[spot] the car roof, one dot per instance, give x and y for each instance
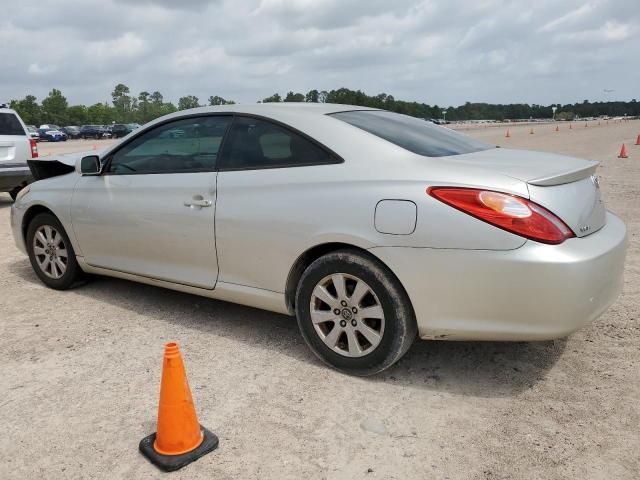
(277, 108)
(293, 113)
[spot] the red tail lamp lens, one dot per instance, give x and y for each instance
(508, 212)
(34, 148)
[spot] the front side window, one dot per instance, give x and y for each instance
(188, 145)
(254, 143)
(413, 134)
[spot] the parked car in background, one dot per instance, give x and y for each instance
(16, 147)
(119, 130)
(33, 132)
(52, 135)
(93, 131)
(374, 228)
(71, 131)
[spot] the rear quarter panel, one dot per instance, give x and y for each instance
(266, 219)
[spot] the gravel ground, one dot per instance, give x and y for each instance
(80, 376)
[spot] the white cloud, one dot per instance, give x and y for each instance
(37, 69)
(425, 50)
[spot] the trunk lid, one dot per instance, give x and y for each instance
(566, 186)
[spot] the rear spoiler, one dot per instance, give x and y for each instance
(566, 177)
(41, 169)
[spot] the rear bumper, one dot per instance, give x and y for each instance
(535, 292)
(13, 176)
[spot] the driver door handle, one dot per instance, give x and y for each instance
(198, 203)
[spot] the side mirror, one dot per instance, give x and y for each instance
(89, 165)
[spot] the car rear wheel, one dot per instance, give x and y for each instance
(51, 253)
(353, 313)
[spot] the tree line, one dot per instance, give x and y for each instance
(126, 107)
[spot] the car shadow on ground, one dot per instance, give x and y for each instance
(480, 369)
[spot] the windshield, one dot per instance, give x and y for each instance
(413, 134)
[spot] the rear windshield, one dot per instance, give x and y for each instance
(413, 134)
(10, 125)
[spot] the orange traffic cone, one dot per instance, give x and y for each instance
(623, 152)
(557, 128)
(179, 439)
(507, 135)
(94, 146)
(637, 140)
(531, 132)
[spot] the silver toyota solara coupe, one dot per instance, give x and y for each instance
(371, 227)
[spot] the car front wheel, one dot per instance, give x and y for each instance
(51, 253)
(353, 313)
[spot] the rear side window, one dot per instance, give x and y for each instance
(253, 143)
(413, 134)
(10, 125)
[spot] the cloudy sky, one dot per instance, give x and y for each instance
(441, 52)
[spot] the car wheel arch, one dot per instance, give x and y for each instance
(310, 255)
(30, 214)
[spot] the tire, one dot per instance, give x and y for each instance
(46, 222)
(393, 319)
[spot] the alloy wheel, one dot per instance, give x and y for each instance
(347, 315)
(50, 251)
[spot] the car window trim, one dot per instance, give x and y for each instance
(333, 157)
(108, 159)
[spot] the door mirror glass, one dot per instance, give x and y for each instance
(90, 165)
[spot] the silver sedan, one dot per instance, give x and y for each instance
(373, 228)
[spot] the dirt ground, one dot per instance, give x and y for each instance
(80, 376)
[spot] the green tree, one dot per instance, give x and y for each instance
(312, 96)
(275, 98)
(28, 109)
(294, 97)
(216, 100)
(54, 108)
(122, 102)
(190, 101)
(144, 104)
(77, 115)
(101, 114)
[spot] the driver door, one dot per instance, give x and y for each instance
(151, 212)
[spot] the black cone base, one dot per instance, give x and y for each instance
(169, 463)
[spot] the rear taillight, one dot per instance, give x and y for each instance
(34, 148)
(508, 212)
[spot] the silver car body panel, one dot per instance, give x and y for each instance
(464, 277)
(537, 292)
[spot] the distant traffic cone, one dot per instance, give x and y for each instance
(94, 146)
(531, 131)
(637, 140)
(179, 439)
(557, 128)
(586, 124)
(507, 135)
(623, 152)
(570, 127)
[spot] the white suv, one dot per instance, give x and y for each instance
(16, 147)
